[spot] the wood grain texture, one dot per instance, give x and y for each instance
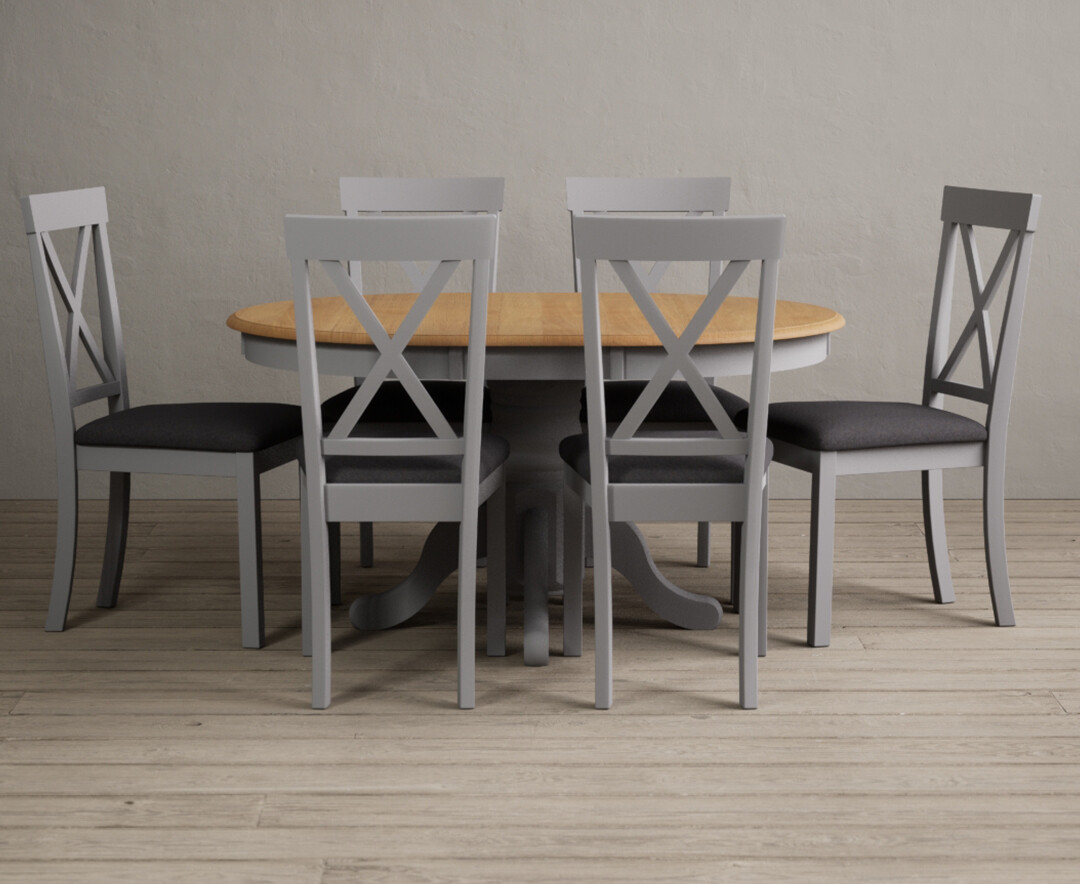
(144, 744)
(534, 319)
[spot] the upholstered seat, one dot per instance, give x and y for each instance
(846, 425)
(641, 469)
(677, 403)
(195, 426)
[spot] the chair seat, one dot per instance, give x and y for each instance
(677, 404)
(848, 425)
(434, 469)
(196, 426)
(392, 402)
(649, 469)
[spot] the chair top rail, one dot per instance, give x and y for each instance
(374, 238)
(990, 208)
(421, 195)
(705, 238)
(44, 212)
(648, 194)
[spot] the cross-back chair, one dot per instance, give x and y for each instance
(627, 471)
(238, 439)
(842, 438)
(375, 196)
(429, 470)
(688, 196)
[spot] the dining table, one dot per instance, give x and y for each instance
(534, 371)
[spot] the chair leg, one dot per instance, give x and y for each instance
(317, 587)
(305, 570)
(704, 556)
(67, 531)
(763, 577)
(249, 519)
(112, 565)
(602, 607)
(334, 539)
(573, 573)
(736, 554)
(496, 573)
(367, 546)
(466, 609)
(750, 596)
(937, 547)
(822, 530)
(997, 567)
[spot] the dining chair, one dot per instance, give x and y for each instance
(238, 439)
(377, 195)
(627, 471)
(359, 470)
(685, 196)
(842, 438)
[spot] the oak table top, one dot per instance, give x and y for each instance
(535, 319)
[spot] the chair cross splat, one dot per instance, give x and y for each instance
(677, 347)
(391, 360)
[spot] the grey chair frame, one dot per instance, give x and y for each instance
(620, 241)
(689, 196)
(361, 196)
(962, 210)
(331, 243)
(86, 211)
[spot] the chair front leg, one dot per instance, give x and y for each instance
(822, 539)
(763, 576)
(112, 565)
(937, 547)
(997, 566)
(67, 532)
(573, 573)
(704, 556)
(496, 573)
(249, 520)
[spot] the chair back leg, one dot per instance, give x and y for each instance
(67, 532)
(822, 539)
(997, 568)
(937, 547)
(112, 565)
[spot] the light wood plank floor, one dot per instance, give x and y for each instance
(144, 744)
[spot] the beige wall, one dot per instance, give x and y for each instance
(207, 121)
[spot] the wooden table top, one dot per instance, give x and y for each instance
(535, 319)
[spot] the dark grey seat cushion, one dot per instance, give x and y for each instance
(649, 469)
(677, 404)
(380, 470)
(393, 403)
(846, 425)
(196, 426)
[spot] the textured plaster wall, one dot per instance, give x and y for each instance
(208, 121)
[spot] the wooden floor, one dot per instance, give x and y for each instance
(144, 744)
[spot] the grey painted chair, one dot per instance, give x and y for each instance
(627, 472)
(357, 470)
(686, 196)
(376, 196)
(843, 438)
(238, 439)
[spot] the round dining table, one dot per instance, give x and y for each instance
(535, 370)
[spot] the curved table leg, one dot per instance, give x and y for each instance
(630, 557)
(438, 560)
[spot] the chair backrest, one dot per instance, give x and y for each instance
(737, 241)
(963, 210)
(372, 196)
(330, 243)
(67, 335)
(689, 196)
